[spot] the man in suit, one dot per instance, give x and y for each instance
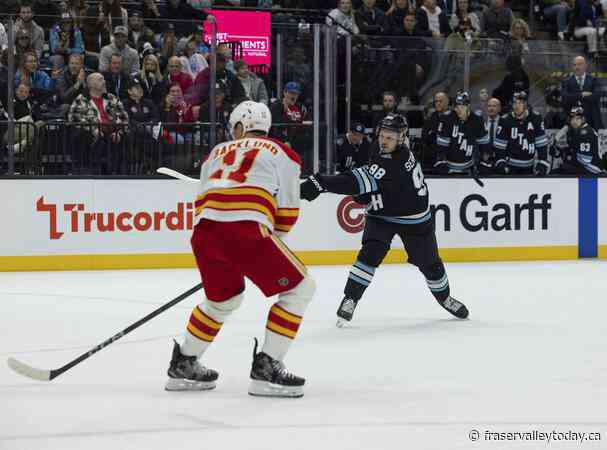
(584, 89)
(492, 122)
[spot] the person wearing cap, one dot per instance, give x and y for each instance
(254, 87)
(353, 148)
(167, 44)
(287, 112)
(26, 22)
(139, 33)
(64, 40)
(143, 115)
(130, 57)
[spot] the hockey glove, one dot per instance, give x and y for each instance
(311, 188)
(541, 168)
(501, 167)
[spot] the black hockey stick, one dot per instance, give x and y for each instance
(48, 375)
(478, 181)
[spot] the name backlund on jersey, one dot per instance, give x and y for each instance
(519, 141)
(460, 141)
(394, 187)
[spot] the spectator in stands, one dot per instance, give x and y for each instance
(183, 16)
(130, 57)
(352, 149)
(26, 114)
(343, 18)
(431, 18)
(581, 87)
(65, 40)
(516, 80)
(497, 20)
(72, 81)
(23, 44)
(234, 91)
(192, 61)
(370, 20)
(152, 80)
(586, 19)
(395, 17)
(3, 38)
(288, 111)
(138, 32)
(560, 10)
(35, 31)
(116, 81)
(519, 34)
(463, 11)
(176, 75)
(221, 113)
(102, 117)
(254, 87)
(167, 44)
(177, 111)
(151, 15)
(101, 20)
(298, 67)
(492, 123)
(29, 74)
(556, 116)
(140, 109)
(77, 9)
(226, 51)
(201, 46)
(461, 38)
(389, 105)
(47, 12)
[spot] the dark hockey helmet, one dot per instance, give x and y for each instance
(394, 122)
(553, 96)
(520, 95)
(462, 98)
(577, 110)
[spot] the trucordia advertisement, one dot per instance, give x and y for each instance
(87, 217)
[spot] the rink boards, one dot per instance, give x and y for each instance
(109, 224)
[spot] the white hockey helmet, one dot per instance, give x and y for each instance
(252, 115)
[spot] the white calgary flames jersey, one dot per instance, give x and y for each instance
(251, 179)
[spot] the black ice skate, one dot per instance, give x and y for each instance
(458, 309)
(270, 378)
(346, 311)
(186, 374)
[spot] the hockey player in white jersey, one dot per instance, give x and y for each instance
(249, 194)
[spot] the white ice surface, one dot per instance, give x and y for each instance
(405, 375)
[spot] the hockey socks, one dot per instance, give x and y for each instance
(202, 328)
(438, 283)
(281, 329)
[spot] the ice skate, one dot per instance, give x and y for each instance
(458, 309)
(187, 374)
(270, 378)
(346, 311)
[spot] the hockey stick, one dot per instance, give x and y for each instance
(174, 174)
(478, 181)
(48, 375)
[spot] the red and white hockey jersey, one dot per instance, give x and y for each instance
(251, 179)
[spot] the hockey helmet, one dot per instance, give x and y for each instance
(394, 122)
(462, 98)
(577, 110)
(520, 95)
(252, 115)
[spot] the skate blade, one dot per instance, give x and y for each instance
(260, 388)
(181, 384)
(342, 323)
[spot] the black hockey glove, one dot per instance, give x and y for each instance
(501, 167)
(541, 169)
(362, 199)
(311, 188)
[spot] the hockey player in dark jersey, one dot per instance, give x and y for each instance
(352, 148)
(461, 139)
(393, 188)
(582, 153)
(521, 137)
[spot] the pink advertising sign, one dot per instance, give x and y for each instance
(251, 29)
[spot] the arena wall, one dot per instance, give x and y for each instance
(113, 224)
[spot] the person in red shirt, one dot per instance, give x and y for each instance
(177, 76)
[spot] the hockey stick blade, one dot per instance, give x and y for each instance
(174, 174)
(478, 181)
(28, 371)
(48, 375)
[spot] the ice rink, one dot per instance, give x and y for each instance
(532, 357)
